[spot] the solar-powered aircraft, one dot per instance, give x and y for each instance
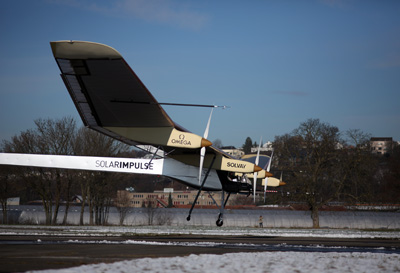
(112, 100)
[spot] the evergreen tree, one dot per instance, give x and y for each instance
(247, 145)
(169, 201)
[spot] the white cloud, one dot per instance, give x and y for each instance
(163, 11)
(171, 12)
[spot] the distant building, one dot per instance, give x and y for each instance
(231, 150)
(178, 198)
(381, 145)
(77, 199)
(266, 147)
(238, 152)
(13, 201)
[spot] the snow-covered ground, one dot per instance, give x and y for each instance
(331, 260)
(194, 230)
(281, 262)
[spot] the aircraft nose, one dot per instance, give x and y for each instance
(268, 174)
(205, 142)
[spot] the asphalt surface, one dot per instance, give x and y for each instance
(23, 253)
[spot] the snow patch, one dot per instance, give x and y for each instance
(275, 262)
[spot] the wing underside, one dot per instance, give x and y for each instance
(105, 90)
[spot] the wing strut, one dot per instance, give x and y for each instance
(220, 220)
(201, 187)
(154, 155)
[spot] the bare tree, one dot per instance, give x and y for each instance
(150, 205)
(49, 137)
(362, 165)
(122, 202)
(61, 137)
(312, 153)
(96, 186)
(57, 137)
(164, 217)
(6, 190)
(69, 178)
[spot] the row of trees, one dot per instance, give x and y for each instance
(54, 187)
(321, 165)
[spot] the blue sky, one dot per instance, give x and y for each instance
(275, 63)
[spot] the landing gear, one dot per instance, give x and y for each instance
(201, 187)
(220, 220)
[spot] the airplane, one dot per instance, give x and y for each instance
(112, 100)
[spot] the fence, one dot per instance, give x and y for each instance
(232, 218)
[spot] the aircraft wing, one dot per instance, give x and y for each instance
(263, 159)
(112, 100)
(105, 90)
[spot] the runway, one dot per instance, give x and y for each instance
(20, 253)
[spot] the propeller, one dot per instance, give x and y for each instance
(266, 179)
(255, 173)
(203, 149)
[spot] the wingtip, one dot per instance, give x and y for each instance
(257, 168)
(205, 142)
(281, 183)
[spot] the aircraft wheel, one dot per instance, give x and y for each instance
(188, 218)
(220, 222)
